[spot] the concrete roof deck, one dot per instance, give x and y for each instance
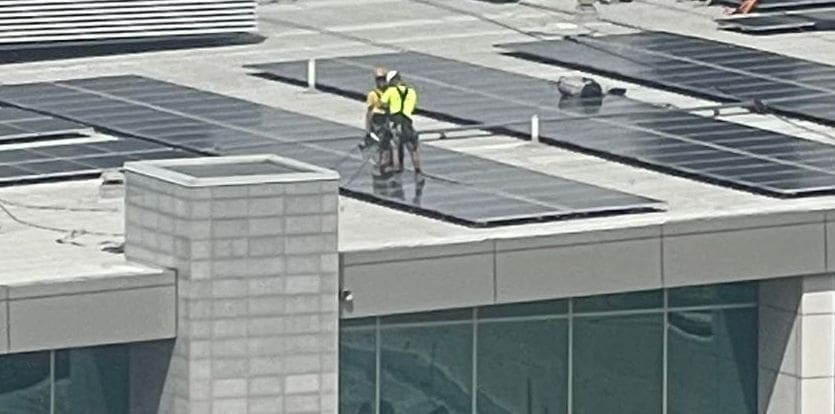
(30, 254)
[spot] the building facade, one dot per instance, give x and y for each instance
(240, 302)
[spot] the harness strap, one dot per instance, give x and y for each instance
(403, 95)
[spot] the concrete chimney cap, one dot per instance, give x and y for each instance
(231, 170)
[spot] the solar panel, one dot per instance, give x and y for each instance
(50, 162)
(457, 187)
(766, 24)
(774, 5)
(771, 23)
(670, 141)
(17, 125)
(700, 67)
(35, 147)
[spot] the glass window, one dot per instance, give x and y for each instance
(618, 364)
(426, 369)
(523, 367)
(713, 362)
(148, 366)
(650, 299)
(92, 380)
(436, 316)
(552, 307)
(358, 323)
(357, 371)
(713, 295)
(24, 383)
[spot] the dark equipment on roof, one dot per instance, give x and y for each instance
(579, 87)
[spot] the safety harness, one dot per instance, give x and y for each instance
(403, 95)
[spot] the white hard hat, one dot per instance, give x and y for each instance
(391, 75)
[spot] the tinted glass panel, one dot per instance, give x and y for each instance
(651, 299)
(427, 370)
(24, 383)
(554, 307)
(440, 316)
(522, 367)
(92, 380)
(357, 371)
(618, 364)
(358, 322)
(713, 295)
(713, 362)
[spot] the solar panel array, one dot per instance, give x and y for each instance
(36, 147)
(18, 125)
(458, 188)
(789, 21)
(699, 67)
(670, 141)
(773, 5)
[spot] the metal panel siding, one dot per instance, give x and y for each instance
(30, 21)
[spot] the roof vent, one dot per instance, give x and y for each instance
(111, 184)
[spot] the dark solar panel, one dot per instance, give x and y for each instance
(700, 67)
(771, 23)
(457, 187)
(53, 156)
(17, 125)
(667, 140)
(774, 5)
(766, 24)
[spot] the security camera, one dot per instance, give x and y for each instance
(346, 296)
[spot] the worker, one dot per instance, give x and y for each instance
(401, 101)
(377, 123)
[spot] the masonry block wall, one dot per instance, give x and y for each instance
(257, 267)
(797, 345)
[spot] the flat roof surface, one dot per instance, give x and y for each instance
(355, 27)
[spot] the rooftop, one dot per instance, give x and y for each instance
(41, 245)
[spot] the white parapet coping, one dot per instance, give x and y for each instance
(84, 311)
(231, 170)
(527, 268)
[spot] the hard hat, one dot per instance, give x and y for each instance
(391, 75)
(379, 72)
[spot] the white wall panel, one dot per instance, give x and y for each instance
(27, 21)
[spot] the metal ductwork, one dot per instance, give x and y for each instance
(39, 21)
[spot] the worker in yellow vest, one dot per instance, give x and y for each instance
(377, 122)
(401, 102)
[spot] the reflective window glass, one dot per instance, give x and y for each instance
(92, 380)
(523, 367)
(357, 371)
(551, 307)
(650, 299)
(358, 323)
(24, 383)
(436, 316)
(426, 369)
(713, 295)
(618, 364)
(713, 362)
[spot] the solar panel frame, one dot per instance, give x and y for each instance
(314, 140)
(805, 98)
(56, 156)
(767, 24)
(776, 5)
(498, 86)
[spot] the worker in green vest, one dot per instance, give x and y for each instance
(401, 101)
